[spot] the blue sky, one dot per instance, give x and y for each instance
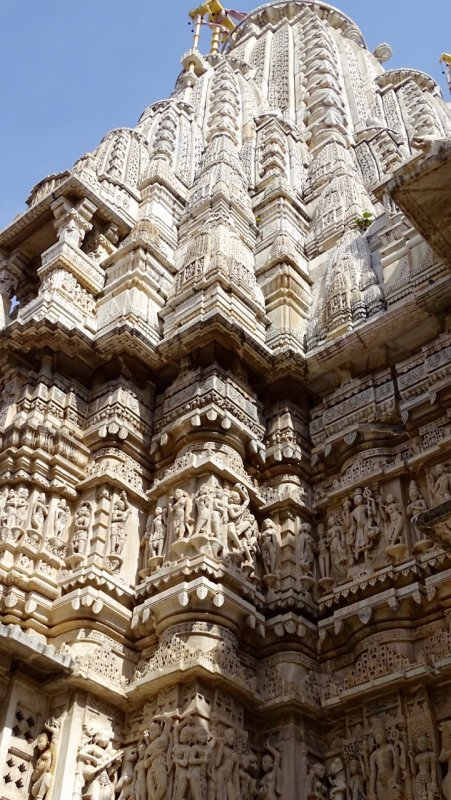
(71, 71)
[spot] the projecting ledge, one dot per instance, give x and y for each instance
(38, 656)
(422, 189)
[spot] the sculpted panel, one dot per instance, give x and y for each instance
(189, 757)
(211, 517)
(44, 767)
(97, 767)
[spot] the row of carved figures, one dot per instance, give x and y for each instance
(171, 761)
(182, 760)
(363, 534)
(50, 530)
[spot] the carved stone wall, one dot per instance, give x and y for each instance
(225, 462)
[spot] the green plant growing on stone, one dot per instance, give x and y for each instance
(364, 222)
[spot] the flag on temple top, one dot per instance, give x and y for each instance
(215, 26)
(238, 15)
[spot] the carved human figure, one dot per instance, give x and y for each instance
(337, 779)
(61, 517)
(441, 484)
(270, 784)
(384, 766)
(22, 506)
(218, 514)
(157, 738)
(356, 781)
(125, 783)
(44, 768)
(140, 772)
(223, 769)
(248, 768)
(417, 503)
(158, 532)
(445, 758)
(362, 527)
(359, 524)
(338, 555)
(416, 506)
(238, 522)
(180, 758)
(203, 502)
(423, 765)
(269, 547)
(119, 517)
(15, 510)
(249, 541)
(198, 761)
(305, 547)
(98, 764)
(181, 509)
(392, 514)
(39, 512)
(80, 536)
(324, 561)
(316, 785)
(190, 754)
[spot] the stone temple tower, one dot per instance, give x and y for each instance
(225, 426)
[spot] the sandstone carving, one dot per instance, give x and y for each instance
(44, 768)
(97, 766)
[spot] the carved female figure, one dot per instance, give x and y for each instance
(203, 500)
(441, 486)
(180, 757)
(125, 783)
(239, 523)
(316, 787)
(359, 525)
(119, 516)
(339, 559)
(423, 764)
(247, 773)
(270, 785)
(323, 552)
(305, 549)
(158, 532)
(82, 521)
(356, 782)
(417, 503)
(98, 766)
(140, 773)
(223, 770)
(337, 779)
(181, 508)
(39, 513)
(198, 759)
(15, 511)
(157, 739)
(218, 515)
(393, 516)
(42, 775)
(269, 546)
(61, 517)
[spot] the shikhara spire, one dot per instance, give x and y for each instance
(225, 468)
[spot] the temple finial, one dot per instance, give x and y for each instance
(218, 18)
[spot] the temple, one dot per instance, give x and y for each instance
(225, 437)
